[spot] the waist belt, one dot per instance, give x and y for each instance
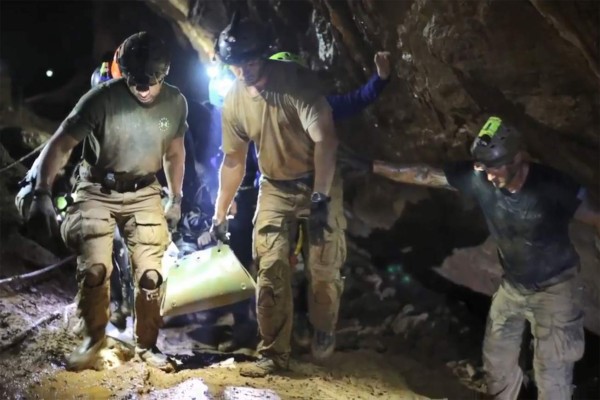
(304, 183)
(565, 275)
(117, 181)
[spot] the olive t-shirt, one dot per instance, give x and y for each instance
(122, 135)
(531, 226)
(277, 120)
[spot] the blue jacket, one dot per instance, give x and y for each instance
(349, 104)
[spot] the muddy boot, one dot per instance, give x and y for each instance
(147, 323)
(93, 310)
(155, 358)
(86, 355)
(301, 331)
(119, 319)
(265, 366)
(323, 345)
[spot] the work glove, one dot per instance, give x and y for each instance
(219, 231)
(42, 224)
(173, 212)
(350, 163)
(317, 221)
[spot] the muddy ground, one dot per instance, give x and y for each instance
(396, 340)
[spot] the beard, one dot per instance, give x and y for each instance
(253, 79)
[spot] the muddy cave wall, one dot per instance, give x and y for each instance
(455, 62)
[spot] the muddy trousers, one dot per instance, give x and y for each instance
(280, 207)
(88, 230)
(556, 319)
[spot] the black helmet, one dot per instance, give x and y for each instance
(497, 143)
(143, 60)
(241, 40)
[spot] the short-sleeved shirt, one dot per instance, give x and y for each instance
(277, 120)
(531, 226)
(122, 135)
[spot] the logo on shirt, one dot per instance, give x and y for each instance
(164, 124)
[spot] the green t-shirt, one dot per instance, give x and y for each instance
(122, 135)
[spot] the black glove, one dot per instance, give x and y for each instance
(173, 211)
(350, 163)
(220, 231)
(317, 221)
(42, 225)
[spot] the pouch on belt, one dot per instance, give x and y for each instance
(206, 279)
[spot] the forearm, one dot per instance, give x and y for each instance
(174, 166)
(230, 177)
(417, 174)
(325, 163)
(52, 159)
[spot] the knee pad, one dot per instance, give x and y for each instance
(151, 280)
(95, 275)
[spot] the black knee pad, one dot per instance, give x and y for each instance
(151, 280)
(95, 275)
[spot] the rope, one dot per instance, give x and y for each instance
(25, 157)
(20, 278)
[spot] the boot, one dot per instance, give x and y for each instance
(86, 355)
(323, 345)
(301, 331)
(119, 319)
(93, 309)
(155, 358)
(147, 323)
(265, 366)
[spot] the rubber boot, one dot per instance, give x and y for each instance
(147, 323)
(118, 318)
(301, 332)
(323, 345)
(93, 309)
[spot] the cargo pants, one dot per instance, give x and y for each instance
(281, 206)
(88, 230)
(556, 317)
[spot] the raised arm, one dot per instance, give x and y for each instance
(349, 104)
(417, 174)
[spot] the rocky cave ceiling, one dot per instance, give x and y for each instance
(455, 62)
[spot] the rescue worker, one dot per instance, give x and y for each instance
(343, 106)
(121, 285)
(527, 207)
(278, 107)
(128, 126)
(244, 206)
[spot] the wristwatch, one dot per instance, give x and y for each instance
(318, 197)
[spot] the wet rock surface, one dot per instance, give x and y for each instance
(421, 266)
(369, 363)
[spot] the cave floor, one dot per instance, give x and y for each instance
(376, 357)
